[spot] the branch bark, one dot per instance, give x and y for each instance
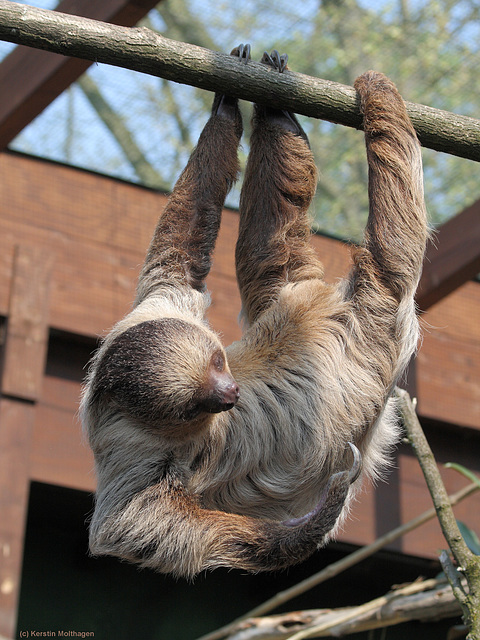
(143, 50)
(428, 600)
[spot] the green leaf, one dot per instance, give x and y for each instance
(463, 470)
(470, 537)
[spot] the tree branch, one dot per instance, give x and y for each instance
(143, 50)
(428, 600)
(468, 563)
(144, 170)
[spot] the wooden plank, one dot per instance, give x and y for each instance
(456, 316)
(224, 311)
(27, 326)
(453, 257)
(91, 208)
(78, 205)
(31, 79)
(335, 257)
(101, 229)
(447, 381)
(91, 287)
(415, 498)
(60, 454)
(23, 367)
(16, 422)
(449, 359)
(79, 213)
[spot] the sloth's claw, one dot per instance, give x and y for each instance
(226, 105)
(356, 467)
(280, 117)
(242, 51)
(275, 60)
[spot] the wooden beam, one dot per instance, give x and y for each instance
(27, 337)
(22, 375)
(453, 257)
(34, 78)
(16, 424)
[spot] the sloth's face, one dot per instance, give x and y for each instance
(166, 374)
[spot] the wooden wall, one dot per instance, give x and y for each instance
(87, 235)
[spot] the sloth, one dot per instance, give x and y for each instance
(249, 456)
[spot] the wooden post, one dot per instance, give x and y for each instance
(24, 357)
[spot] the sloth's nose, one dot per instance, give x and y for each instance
(231, 394)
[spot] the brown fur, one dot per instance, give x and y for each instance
(185, 484)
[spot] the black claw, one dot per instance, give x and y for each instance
(275, 56)
(246, 53)
(275, 60)
(243, 52)
(266, 59)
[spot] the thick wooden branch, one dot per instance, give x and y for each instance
(143, 50)
(430, 600)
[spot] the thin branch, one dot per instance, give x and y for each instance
(453, 577)
(116, 124)
(143, 50)
(433, 479)
(336, 568)
(468, 563)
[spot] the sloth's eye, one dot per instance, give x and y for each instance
(218, 361)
